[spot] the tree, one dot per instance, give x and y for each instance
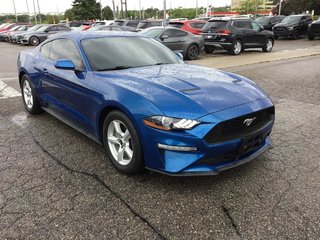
(250, 6)
(297, 6)
(107, 13)
(69, 14)
(86, 9)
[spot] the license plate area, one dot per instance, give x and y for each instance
(251, 143)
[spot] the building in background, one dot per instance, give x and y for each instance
(266, 6)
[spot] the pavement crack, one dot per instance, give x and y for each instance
(99, 180)
(232, 221)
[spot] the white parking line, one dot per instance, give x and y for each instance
(6, 91)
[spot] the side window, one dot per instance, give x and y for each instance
(196, 25)
(62, 28)
(132, 23)
(255, 26)
(242, 24)
(53, 28)
(58, 51)
(45, 49)
(171, 33)
(153, 24)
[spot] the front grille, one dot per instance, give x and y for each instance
(236, 128)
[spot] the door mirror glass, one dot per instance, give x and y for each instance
(261, 28)
(65, 64)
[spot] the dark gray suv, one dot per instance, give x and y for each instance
(235, 35)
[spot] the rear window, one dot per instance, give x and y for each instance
(142, 25)
(214, 25)
(132, 23)
(197, 25)
(176, 25)
(118, 23)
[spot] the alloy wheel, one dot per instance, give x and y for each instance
(27, 94)
(237, 48)
(120, 142)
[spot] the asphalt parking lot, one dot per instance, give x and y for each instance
(55, 183)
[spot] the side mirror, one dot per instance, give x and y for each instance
(47, 30)
(261, 28)
(163, 37)
(65, 64)
(179, 55)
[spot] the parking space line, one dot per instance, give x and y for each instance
(6, 91)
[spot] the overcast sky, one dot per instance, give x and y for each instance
(6, 6)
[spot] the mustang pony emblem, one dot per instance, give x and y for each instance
(248, 121)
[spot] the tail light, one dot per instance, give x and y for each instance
(223, 32)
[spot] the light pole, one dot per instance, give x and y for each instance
(164, 12)
(15, 12)
(39, 11)
(280, 8)
(100, 11)
(196, 8)
(34, 12)
(28, 11)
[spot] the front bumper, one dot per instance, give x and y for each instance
(205, 158)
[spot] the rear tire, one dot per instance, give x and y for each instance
(34, 41)
(122, 143)
(268, 45)
(236, 47)
(192, 52)
(29, 97)
(209, 49)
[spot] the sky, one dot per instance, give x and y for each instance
(6, 6)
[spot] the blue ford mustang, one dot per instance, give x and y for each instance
(145, 105)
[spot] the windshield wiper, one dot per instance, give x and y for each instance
(114, 68)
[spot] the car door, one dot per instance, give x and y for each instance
(173, 39)
(65, 92)
(259, 34)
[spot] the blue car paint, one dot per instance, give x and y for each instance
(175, 90)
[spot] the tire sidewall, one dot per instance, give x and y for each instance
(35, 106)
(31, 43)
(137, 163)
(233, 45)
(265, 48)
(188, 52)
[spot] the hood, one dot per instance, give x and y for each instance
(183, 90)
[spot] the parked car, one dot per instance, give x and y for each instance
(19, 29)
(7, 27)
(111, 28)
(74, 25)
(193, 26)
(235, 35)
(149, 23)
(129, 25)
(292, 26)
(3, 33)
(86, 26)
(268, 22)
(148, 108)
(41, 34)
(98, 24)
(188, 44)
(14, 38)
(314, 30)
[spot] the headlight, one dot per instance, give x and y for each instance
(169, 123)
(290, 28)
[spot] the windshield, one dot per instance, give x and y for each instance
(42, 28)
(263, 20)
(291, 19)
(214, 25)
(16, 28)
(118, 23)
(109, 53)
(152, 32)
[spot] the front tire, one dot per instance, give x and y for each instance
(34, 41)
(29, 97)
(192, 52)
(295, 35)
(268, 45)
(122, 143)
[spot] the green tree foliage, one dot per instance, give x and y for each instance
(107, 13)
(69, 14)
(297, 6)
(250, 6)
(86, 9)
